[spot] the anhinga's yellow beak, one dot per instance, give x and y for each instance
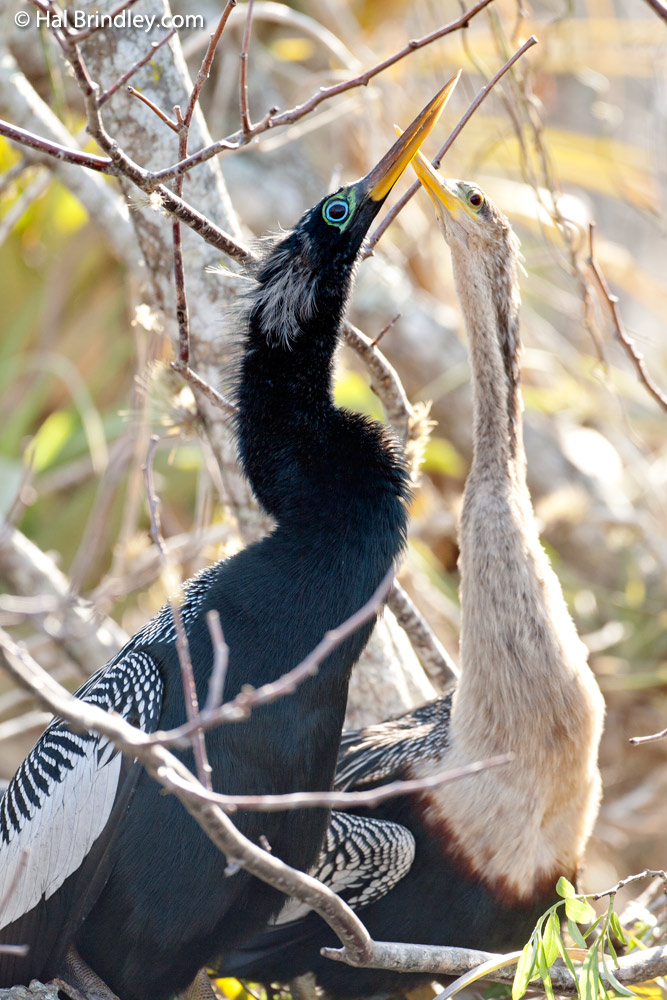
(379, 182)
(444, 194)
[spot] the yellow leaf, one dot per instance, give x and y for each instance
(293, 49)
(50, 439)
(230, 987)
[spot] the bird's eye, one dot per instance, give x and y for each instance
(476, 199)
(336, 211)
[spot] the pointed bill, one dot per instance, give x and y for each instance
(444, 194)
(384, 175)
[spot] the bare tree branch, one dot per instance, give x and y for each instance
(637, 967)
(659, 7)
(48, 149)
(243, 76)
(348, 800)
(433, 656)
(611, 301)
(89, 639)
(274, 120)
(653, 738)
(482, 94)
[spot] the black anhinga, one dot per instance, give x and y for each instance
(114, 866)
(488, 849)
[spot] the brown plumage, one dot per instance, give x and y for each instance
(525, 682)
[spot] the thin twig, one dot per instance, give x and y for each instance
(53, 150)
(433, 656)
(347, 800)
(246, 124)
(13, 174)
(20, 950)
(182, 647)
(629, 346)
(653, 738)
(239, 708)
(207, 61)
(385, 329)
(272, 119)
(482, 94)
(34, 190)
(207, 390)
(106, 94)
(182, 314)
(659, 7)
(647, 873)
(173, 125)
(216, 683)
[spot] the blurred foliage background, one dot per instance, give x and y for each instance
(577, 133)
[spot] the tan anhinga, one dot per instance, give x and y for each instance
(488, 849)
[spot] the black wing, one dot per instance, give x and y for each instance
(58, 812)
(361, 860)
(383, 752)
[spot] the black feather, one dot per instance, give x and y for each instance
(337, 488)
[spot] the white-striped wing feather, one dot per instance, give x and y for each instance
(382, 752)
(362, 860)
(60, 799)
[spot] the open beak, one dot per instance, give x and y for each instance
(443, 193)
(379, 182)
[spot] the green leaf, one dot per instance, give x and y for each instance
(566, 958)
(591, 928)
(524, 969)
(544, 971)
(51, 438)
(479, 972)
(579, 910)
(589, 976)
(616, 927)
(613, 981)
(550, 939)
(565, 888)
(612, 950)
(576, 934)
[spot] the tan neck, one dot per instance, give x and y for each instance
(525, 684)
(492, 326)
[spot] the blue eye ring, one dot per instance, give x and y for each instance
(336, 211)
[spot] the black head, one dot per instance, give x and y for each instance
(304, 282)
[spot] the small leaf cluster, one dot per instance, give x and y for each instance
(546, 945)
